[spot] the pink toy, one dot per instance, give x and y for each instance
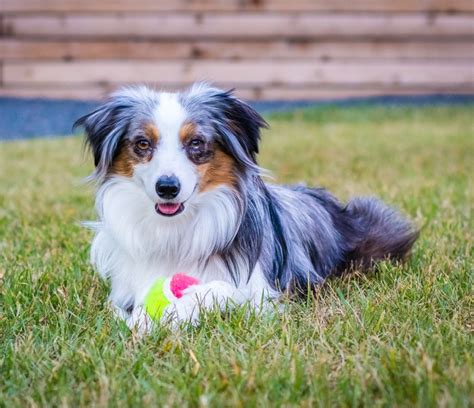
(181, 282)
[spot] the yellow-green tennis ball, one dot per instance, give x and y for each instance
(156, 300)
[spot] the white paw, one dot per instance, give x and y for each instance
(198, 298)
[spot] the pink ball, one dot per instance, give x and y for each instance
(180, 282)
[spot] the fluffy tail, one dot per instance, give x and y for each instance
(380, 233)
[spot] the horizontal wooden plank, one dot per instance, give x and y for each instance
(233, 5)
(232, 26)
(97, 92)
(313, 93)
(93, 92)
(17, 49)
(21, 49)
(258, 73)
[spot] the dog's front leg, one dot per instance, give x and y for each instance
(198, 298)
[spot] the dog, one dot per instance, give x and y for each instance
(179, 190)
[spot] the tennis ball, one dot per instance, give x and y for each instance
(164, 291)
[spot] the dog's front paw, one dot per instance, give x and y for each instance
(197, 299)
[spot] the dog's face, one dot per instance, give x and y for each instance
(174, 146)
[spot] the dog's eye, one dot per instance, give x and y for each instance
(196, 143)
(142, 144)
(198, 150)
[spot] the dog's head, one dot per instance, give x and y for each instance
(174, 145)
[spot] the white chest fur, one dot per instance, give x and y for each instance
(134, 246)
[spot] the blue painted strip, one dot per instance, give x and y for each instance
(31, 118)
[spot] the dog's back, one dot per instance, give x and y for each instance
(315, 236)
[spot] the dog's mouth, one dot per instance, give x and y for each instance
(169, 209)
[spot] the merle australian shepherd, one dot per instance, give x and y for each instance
(180, 191)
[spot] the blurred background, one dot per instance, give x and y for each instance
(59, 57)
(266, 49)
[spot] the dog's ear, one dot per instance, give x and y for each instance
(104, 128)
(244, 122)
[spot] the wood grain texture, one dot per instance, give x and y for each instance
(232, 26)
(267, 49)
(18, 49)
(99, 92)
(258, 73)
(16, 6)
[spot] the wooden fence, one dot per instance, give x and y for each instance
(267, 49)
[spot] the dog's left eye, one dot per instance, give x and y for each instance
(198, 150)
(142, 144)
(196, 143)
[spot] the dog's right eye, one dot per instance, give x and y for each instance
(142, 144)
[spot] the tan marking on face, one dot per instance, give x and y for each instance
(187, 131)
(217, 171)
(124, 162)
(152, 134)
(127, 157)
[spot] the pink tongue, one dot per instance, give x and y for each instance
(169, 208)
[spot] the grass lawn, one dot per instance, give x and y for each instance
(402, 336)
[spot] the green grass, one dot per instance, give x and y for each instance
(400, 337)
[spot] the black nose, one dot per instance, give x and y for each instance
(167, 187)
